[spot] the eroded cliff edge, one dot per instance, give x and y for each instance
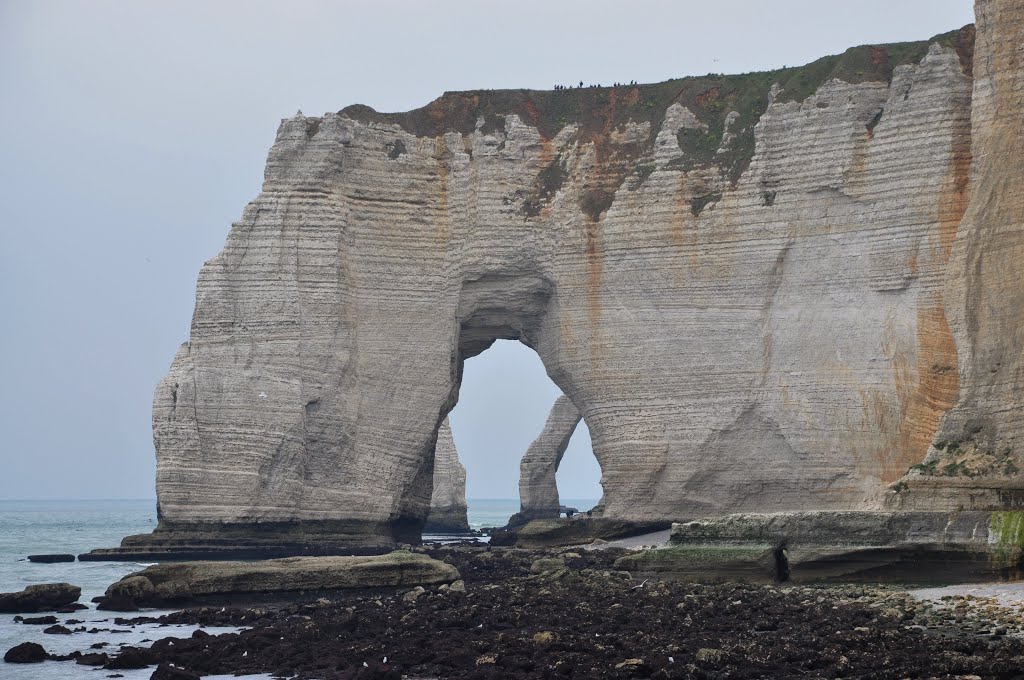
(755, 288)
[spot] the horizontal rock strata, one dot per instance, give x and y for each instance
(448, 512)
(975, 457)
(756, 289)
(840, 546)
(538, 487)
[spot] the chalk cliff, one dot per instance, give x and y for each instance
(448, 511)
(975, 459)
(757, 289)
(538, 488)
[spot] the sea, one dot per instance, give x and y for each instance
(70, 526)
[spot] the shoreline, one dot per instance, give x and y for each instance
(570, 613)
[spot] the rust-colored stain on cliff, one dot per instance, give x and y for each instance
(931, 388)
(925, 400)
(925, 390)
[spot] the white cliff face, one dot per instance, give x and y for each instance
(979, 449)
(448, 512)
(750, 316)
(538, 488)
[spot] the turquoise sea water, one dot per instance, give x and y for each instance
(31, 527)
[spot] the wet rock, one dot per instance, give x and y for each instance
(166, 671)
(585, 626)
(92, 659)
(132, 658)
(38, 620)
(26, 652)
(132, 588)
(57, 630)
(413, 594)
(51, 558)
(546, 564)
(70, 608)
(117, 604)
(39, 598)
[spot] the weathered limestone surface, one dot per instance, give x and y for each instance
(448, 500)
(538, 489)
(756, 289)
(979, 449)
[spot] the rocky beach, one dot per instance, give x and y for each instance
(571, 613)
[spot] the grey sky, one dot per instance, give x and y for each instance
(135, 132)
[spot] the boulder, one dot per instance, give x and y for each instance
(57, 629)
(175, 582)
(39, 598)
(26, 652)
(546, 564)
(414, 594)
(92, 659)
(131, 588)
(123, 595)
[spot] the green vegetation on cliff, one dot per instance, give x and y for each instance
(597, 111)
(1006, 536)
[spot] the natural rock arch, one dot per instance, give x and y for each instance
(790, 283)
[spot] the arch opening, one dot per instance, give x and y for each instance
(504, 400)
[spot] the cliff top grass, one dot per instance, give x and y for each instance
(597, 111)
(710, 97)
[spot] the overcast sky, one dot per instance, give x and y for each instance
(135, 132)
